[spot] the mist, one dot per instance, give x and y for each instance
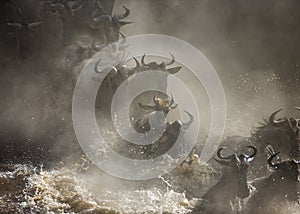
(252, 46)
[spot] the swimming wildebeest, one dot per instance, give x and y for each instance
(279, 133)
(281, 186)
(231, 186)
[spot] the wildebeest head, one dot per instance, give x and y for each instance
(290, 169)
(170, 136)
(160, 105)
(62, 7)
(26, 35)
(163, 105)
(286, 177)
(238, 170)
(110, 25)
(24, 26)
(284, 181)
(280, 186)
(160, 66)
(283, 133)
(126, 70)
(142, 66)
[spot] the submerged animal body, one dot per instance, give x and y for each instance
(160, 105)
(282, 185)
(173, 131)
(273, 135)
(231, 186)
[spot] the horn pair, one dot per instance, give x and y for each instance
(166, 63)
(31, 26)
(105, 16)
(275, 122)
(225, 160)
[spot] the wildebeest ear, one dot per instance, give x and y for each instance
(173, 70)
(124, 23)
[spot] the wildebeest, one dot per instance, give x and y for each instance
(279, 134)
(169, 137)
(166, 141)
(160, 105)
(108, 25)
(231, 186)
(122, 72)
(75, 18)
(143, 66)
(160, 66)
(282, 185)
(22, 31)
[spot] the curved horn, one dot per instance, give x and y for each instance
(127, 12)
(121, 23)
(74, 6)
(17, 26)
(123, 40)
(33, 26)
(174, 106)
(172, 61)
(189, 123)
(297, 108)
(172, 100)
(172, 103)
(95, 47)
(222, 162)
(138, 65)
(97, 70)
(272, 118)
(135, 69)
(147, 107)
(94, 14)
(254, 151)
(173, 70)
(143, 60)
(96, 67)
(222, 157)
(271, 159)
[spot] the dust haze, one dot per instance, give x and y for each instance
(252, 45)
